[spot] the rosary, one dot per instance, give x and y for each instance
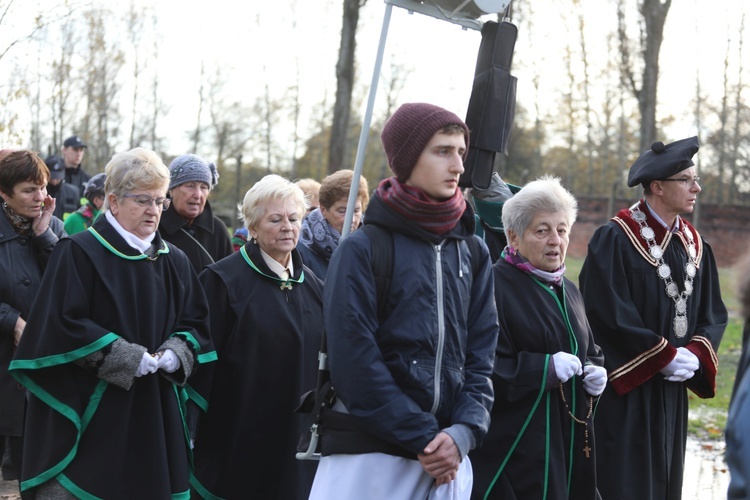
(584, 423)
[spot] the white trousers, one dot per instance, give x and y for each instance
(375, 476)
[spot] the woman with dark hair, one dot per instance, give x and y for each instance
(28, 233)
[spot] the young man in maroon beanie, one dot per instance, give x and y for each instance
(414, 381)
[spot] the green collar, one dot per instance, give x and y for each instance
(111, 248)
(284, 284)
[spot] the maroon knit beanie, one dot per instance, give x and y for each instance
(409, 129)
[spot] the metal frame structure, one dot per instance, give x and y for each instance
(464, 13)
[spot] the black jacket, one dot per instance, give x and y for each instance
(22, 263)
(205, 241)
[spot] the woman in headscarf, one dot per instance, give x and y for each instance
(112, 338)
(191, 225)
(28, 233)
(548, 371)
(266, 323)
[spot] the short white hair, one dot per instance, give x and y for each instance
(545, 194)
(270, 187)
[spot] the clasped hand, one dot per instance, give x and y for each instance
(594, 379)
(682, 367)
(165, 360)
(566, 365)
(441, 459)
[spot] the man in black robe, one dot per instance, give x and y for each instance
(651, 289)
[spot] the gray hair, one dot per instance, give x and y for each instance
(139, 168)
(545, 194)
(270, 187)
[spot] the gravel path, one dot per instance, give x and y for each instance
(706, 476)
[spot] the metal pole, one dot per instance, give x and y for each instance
(365, 133)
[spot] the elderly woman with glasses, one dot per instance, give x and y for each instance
(191, 225)
(266, 323)
(548, 370)
(111, 340)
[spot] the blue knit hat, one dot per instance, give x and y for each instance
(192, 168)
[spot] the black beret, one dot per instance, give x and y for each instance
(662, 161)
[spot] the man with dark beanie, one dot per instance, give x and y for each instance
(414, 381)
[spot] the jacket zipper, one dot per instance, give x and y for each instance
(441, 327)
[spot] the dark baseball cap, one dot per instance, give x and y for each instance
(57, 170)
(75, 142)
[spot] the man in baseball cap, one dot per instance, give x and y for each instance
(74, 142)
(70, 161)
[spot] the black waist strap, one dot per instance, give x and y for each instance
(341, 435)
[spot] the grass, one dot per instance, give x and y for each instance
(708, 417)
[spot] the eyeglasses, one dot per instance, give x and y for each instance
(146, 201)
(685, 181)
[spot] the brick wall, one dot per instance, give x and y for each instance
(727, 229)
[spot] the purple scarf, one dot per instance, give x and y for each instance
(550, 277)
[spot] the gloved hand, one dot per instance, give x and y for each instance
(498, 191)
(148, 365)
(168, 361)
(566, 365)
(594, 379)
(682, 367)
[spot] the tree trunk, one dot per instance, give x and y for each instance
(344, 85)
(654, 14)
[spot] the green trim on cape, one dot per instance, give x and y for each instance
(523, 430)
(80, 424)
(63, 358)
(283, 283)
(202, 491)
(108, 246)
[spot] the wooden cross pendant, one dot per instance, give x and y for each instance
(586, 450)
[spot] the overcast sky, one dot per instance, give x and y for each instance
(258, 42)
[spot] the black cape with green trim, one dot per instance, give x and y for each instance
(96, 439)
(548, 456)
(267, 339)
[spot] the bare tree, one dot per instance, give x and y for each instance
(134, 24)
(653, 15)
(737, 133)
(196, 135)
(16, 82)
(101, 87)
(585, 84)
(722, 133)
(570, 122)
(393, 83)
(345, 70)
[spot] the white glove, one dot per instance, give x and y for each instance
(594, 379)
(168, 361)
(682, 367)
(566, 365)
(147, 365)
